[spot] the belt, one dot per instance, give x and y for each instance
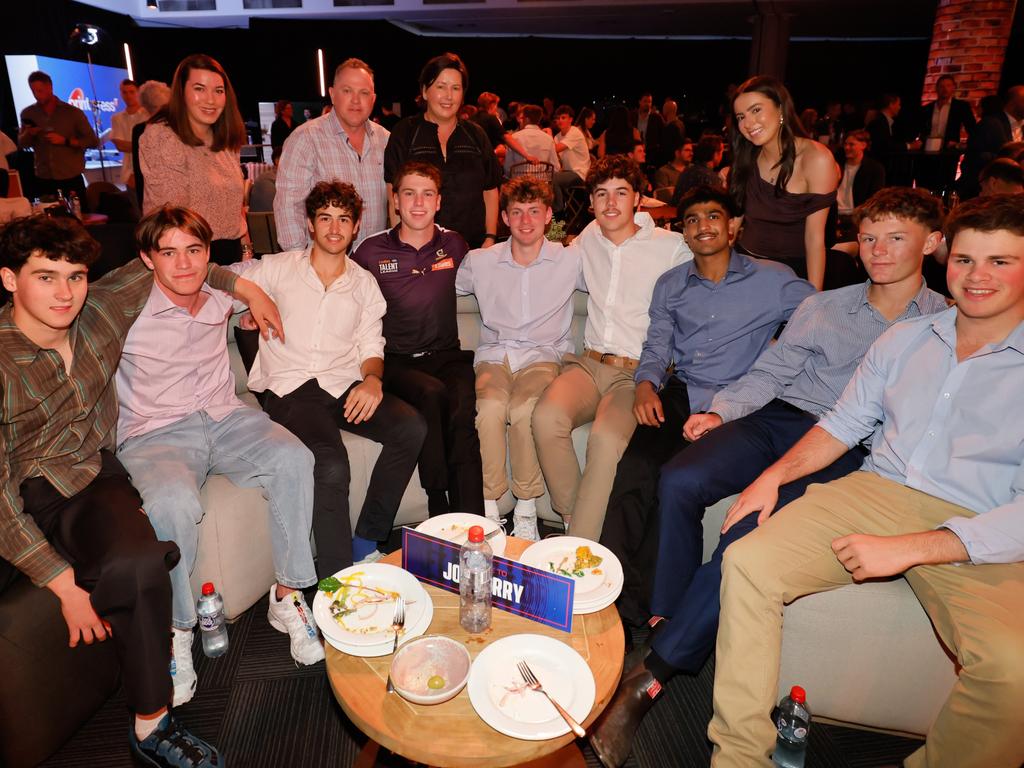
(616, 361)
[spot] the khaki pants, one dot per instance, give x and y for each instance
(585, 391)
(977, 611)
(504, 409)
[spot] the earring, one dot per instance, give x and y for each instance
(780, 121)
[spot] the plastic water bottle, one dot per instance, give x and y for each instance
(793, 721)
(210, 608)
(75, 205)
(37, 206)
(475, 563)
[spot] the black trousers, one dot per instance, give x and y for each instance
(631, 522)
(315, 416)
(442, 387)
(118, 560)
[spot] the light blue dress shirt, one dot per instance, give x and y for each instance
(713, 332)
(952, 429)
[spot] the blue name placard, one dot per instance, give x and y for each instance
(520, 589)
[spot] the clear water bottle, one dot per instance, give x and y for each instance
(75, 204)
(793, 721)
(210, 608)
(37, 206)
(475, 563)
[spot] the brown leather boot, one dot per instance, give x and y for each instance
(613, 733)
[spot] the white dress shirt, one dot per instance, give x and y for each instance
(537, 143)
(576, 156)
(329, 332)
(620, 280)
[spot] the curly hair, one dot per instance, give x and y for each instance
(615, 167)
(57, 239)
(525, 189)
(902, 203)
(988, 214)
(156, 223)
(339, 194)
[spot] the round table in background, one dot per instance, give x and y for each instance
(452, 735)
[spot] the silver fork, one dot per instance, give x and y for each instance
(534, 685)
(396, 624)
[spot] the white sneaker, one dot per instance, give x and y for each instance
(183, 673)
(373, 557)
(491, 509)
(292, 615)
(525, 527)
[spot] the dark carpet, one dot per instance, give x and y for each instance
(262, 710)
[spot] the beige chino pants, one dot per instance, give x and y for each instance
(585, 391)
(504, 417)
(977, 611)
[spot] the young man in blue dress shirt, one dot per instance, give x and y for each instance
(940, 502)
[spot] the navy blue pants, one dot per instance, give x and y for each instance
(723, 462)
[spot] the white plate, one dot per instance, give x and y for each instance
(597, 588)
(384, 649)
(498, 695)
(371, 624)
(454, 527)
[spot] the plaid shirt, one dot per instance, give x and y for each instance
(52, 424)
(319, 150)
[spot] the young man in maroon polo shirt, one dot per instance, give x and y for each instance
(415, 264)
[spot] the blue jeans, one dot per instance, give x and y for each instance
(723, 462)
(169, 466)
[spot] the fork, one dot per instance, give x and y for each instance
(396, 624)
(534, 685)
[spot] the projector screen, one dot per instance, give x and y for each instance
(71, 83)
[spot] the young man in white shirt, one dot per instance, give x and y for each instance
(121, 124)
(524, 286)
(573, 153)
(329, 377)
(623, 255)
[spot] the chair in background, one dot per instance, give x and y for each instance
(576, 209)
(540, 171)
(262, 232)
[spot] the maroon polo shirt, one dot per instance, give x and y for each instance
(419, 287)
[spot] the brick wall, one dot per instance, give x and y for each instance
(969, 42)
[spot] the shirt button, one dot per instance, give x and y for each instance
(712, 317)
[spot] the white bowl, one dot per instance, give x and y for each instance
(422, 658)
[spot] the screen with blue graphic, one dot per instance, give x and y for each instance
(72, 83)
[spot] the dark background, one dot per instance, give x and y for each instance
(276, 59)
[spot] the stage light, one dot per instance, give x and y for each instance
(128, 62)
(320, 64)
(153, 5)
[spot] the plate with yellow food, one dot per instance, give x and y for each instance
(595, 569)
(355, 608)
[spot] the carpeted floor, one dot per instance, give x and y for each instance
(264, 712)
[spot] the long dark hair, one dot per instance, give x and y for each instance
(228, 131)
(745, 154)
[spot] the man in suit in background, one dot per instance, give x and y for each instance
(887, 137)
(862, 177)
(945, 119)
(989, 135)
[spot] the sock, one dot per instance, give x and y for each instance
(660, 669)
(361, 548)
(526, 508)
(144, 726)
(491, 509)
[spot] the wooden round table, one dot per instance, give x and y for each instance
(452, 735)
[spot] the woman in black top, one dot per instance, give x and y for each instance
(458, 148)
(283, 124)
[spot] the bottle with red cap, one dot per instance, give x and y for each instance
(210, 609)
(793, 721)
(475, 565)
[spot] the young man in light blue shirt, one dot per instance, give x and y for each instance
(524, 286)
(940, 501)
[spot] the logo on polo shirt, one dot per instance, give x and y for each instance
(387, 266)
(448, 263)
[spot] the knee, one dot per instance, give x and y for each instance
(413, 430)
(520, 411)
(996, 658)
(677, 483)
(294, 458)
(173, 509)
(491, 412)
(142, 567)
(550, 421)
(433, 394)
(331, 468)
(606, 445)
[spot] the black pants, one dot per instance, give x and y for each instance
(314, 416)
(119, 562)
(631, 522)
(442, 387)
(226, 252)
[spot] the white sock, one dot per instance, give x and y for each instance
(491, 509)
(146, 725)
(526, 508)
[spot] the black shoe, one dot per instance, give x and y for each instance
(637, 653)
(171, 746)
(613, 733)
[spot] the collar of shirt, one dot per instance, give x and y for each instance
(398, 242)
(309, 276)
(339, 129)
(160, 304)
(739, 264)
(19, 346)
(944, 326)
(548, 252)
(860, 299)
(641, 219)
